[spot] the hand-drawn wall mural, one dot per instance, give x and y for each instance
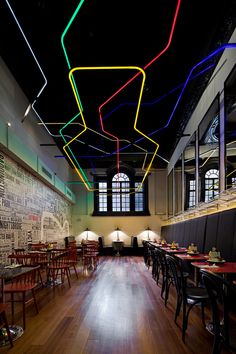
(29, 210)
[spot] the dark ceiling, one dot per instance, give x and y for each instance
(102, 36)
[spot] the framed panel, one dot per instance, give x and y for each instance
(190, 173)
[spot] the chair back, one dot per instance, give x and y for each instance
(72, 254)
(24, 259)
(28, 278)
(59, 257)
(161, 258)
(19, 250)
(176, 272)
(90, 247)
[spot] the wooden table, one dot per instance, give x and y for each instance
(192, 257)
(219, 268)
(174, 251)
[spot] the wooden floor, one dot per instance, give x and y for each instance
(116, 309)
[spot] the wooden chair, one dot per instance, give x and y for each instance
(90, 255)
(19, 250)
(72, 259)
(4, 322)
(29, 259)
(59, 266)
(22, 286)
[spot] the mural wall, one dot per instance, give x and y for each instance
(29, 210)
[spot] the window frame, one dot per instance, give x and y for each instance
(132, 180)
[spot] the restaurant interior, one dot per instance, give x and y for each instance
(118, 177)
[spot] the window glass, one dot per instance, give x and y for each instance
(190, 173)
(120, 193)
(170, 193)
(102, 196)
(178, 186)
(211, 184)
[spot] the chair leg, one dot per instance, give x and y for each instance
(184, 326)
(68, 278)
(163, 286)
(76, 271)
(35, 302)
(40, 277)
(203, 314)
(217, 345)
(23, 308)
(7, 328)
(12, 309)
(178, 307)
(167, 288)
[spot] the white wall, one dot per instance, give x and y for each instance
(13, 104)
(129, 225)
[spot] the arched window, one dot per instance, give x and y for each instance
(120, 194)
(211, 184)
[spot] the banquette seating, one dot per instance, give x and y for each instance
(214, 230)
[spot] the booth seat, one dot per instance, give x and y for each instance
(215, 230)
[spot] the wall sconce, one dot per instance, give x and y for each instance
(87, 232)
(117, 234)
(148, 233)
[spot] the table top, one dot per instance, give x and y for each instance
(193, 257)
(174, 250)
(223, 268)
(10, 273)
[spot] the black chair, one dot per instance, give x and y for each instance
(223, 327)
(100, 245)
(146, 253)
(163, 271)
(186, 295)
(154, 262)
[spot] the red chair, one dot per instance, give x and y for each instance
(59, 266)
(72, 259)
(22, 286)
(90, 255)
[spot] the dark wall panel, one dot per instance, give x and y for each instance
(200, 233)
(225, 234)
(179, 232)
(215, 230)
(211, 232)
(187, 235)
